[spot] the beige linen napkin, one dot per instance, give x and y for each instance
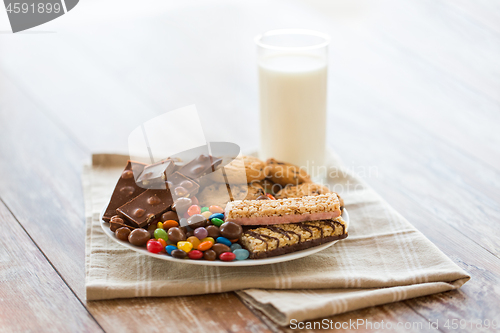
(384, 259)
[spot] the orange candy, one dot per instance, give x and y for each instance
(194, 240)
(203, 246)
(216, 209)
(170, 224)
(163, 244)
(234, 240)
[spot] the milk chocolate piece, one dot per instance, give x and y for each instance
(146, 207)
(200, 166)
(182, 186)
(125, 190)
(153, 176)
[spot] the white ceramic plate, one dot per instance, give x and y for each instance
(248, 262)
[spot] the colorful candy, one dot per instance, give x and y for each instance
(169, 224)
(224, 240)
(270, 196)
(195, 254)
(204, 209)
(227, 256)
(170, 248)
(162, 242)
(201, 232)
(194, 209)
(194, 240)
(154, 246)
(216, 209)
(216, 221)
(160, 233)
(206, 214)
(185, 246)
(235, 246)
(209, 239)
(241, 254)
(159, 225)
(217, 216)
(204, 246)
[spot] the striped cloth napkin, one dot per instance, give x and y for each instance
(384, 259)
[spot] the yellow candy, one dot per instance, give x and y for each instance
(185, 246)
(160, 225)
(209, 239)
(206, 214)
(194, 240)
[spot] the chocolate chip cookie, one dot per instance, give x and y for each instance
(302, 190)
(285, 173)
(243, 169)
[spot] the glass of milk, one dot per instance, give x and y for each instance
(292, 82)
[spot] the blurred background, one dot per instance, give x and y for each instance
(414, 86)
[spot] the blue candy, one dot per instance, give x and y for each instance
(235, 246)
(170, 248)
(217, 215)
(241, 254)
(223, 240)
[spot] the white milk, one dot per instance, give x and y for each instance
(293, 108)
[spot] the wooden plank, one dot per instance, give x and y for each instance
(33, 296)
(205, 313)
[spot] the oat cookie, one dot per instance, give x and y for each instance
(285, 173)
(218, 194)
(243, 169)
(298, 191)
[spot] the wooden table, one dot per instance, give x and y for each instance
(414, 93)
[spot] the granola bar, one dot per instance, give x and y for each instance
(281, 211)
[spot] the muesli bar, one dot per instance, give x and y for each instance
(282, 211)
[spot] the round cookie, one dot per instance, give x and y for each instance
(285, 173)
(243, 169)
(269, 186)
(302, 190)
(218, 194)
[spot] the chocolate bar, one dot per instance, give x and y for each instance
(154, 176)
(147, 206)
(275, 240)
(125, 190)
(181, 186)
(283, 211)
(200, 166)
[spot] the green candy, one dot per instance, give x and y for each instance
(204, 209)
(216, 221)
(160, 233)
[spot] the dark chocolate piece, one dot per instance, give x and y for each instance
(200, 166)
(125, 190)
(146, 207)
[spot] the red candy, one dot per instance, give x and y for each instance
(270, 196)
(154, 246)
(194, 209)
(195, 254)
(227, 256)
